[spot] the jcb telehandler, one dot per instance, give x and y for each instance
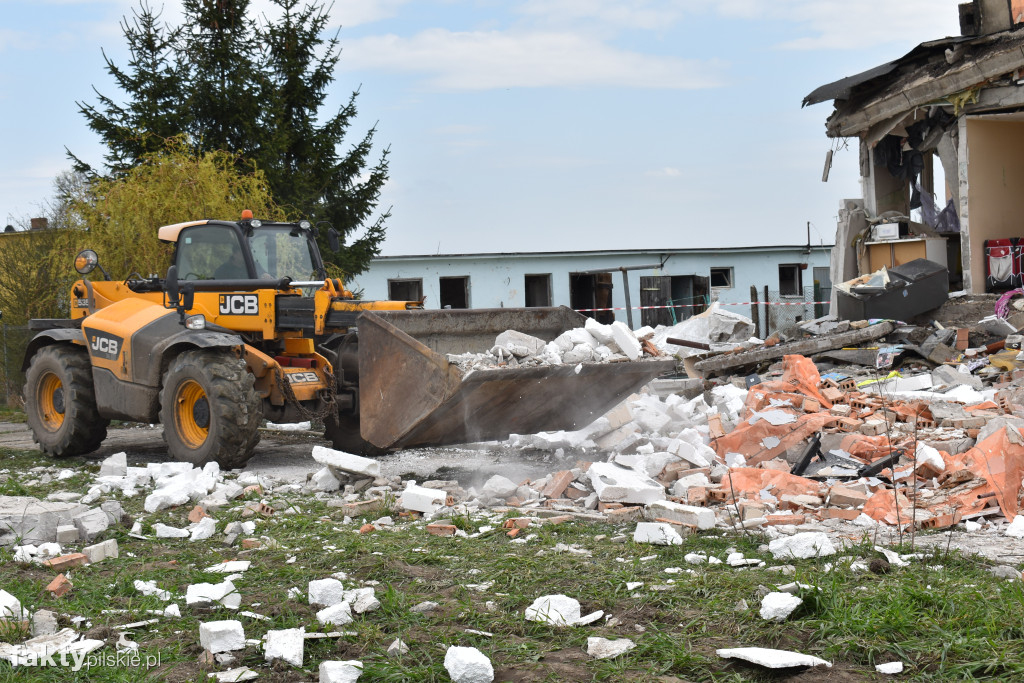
(247, 326)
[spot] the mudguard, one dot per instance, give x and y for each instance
(47, 337)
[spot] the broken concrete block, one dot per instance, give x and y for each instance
(286, 645)
(421, 499)
(656, 533)
(67, 533)
(339, 614)
(519, 344)
(44, 623)
(397, 648)
(771, 659)
(236, 675)
(778, 606)
(114, 511)
(222, 636)
(468, 665)
(620, 485)
(340, 672)
(324, 480)
(557, 610)
(115, 466)
(890, 668)
(803, 545)
(346, 462)
(101, 551)
(602, 648)
(1015, 529)
(34, 521)
(702, 518)
(626, 340)
(951, 377)
(842, 495)
(326, 592)
(620, 438)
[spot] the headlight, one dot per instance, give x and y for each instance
(255, 222)
(196, 322)
(86, 261)
(305, 225)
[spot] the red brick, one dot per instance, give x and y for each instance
(367, 528)
(842, 495)
(67, 561)
(60, 586)
(557, 484)
(197, 514)
(838, 513)
(441, 529)
(774, 520)
(251, 543)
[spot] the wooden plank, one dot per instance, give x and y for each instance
(804, 347)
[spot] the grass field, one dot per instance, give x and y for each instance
(944, 616)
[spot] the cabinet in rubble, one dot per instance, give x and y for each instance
(892, 253)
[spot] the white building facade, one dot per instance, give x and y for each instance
(664, 286)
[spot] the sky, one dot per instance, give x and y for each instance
(532, 125)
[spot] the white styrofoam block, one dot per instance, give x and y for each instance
(626, 340)
(802, 546)
(324, 480)
(286, 644)
(657, 533)
(602, 648)
(771, 659)
(229, 567)
(602, 333)
(1015, 529)
(618, 484)
(362, 600)
(339, 614)
(224, 593)
(346, 462)
(164, 531)
(703, 518)
(114, 466)
(778, 606)
(468, 665)
(222, 636)
(326, 592)
(204, 529)
(890, 668)
(340, 672)
(10, 606)
(557, 610)
(422, 499)
(101, 551)
(91, 523)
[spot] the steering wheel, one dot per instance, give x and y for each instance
(192, 276)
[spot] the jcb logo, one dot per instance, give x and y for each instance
(302, 377)
(239, 304)
(103, 345)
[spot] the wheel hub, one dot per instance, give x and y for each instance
(58, 400)
(201, 413)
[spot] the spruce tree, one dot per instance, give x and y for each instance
(255, 90)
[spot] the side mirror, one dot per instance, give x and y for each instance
(334, 239)
(188, 297)
(171, 286)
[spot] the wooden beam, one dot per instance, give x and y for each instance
(729, 361)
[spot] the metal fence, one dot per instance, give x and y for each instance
(771, 311)
(13, 340)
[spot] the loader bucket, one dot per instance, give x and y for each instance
(410, 395)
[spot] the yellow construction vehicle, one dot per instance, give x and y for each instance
(247, 326)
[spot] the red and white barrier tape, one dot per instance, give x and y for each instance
(720, 303)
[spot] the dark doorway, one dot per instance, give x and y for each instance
(682, 295)
(454, 292)
(538, 290)
(589, 291)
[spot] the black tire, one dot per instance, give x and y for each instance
(343, 432)
(60, 402)
(209, 409)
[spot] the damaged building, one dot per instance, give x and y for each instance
(953, 106)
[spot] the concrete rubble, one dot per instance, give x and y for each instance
(772, 659)
(468, 665)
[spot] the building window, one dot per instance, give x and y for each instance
(790, 280)
(721, 278)
(538, 290)
(455, 292)
(405, 290)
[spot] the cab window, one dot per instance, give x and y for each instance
(210, 252)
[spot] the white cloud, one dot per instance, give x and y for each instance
(642, 14)
(666, 172)
(355, 12)
(18, 40)
(482, 60)
(835, 24)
